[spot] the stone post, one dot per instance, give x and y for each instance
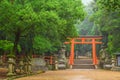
(21, 66)
(1, 61)
(29, 65)
(56, 65)
(25, 68)
(70, 66)
(113, 62)
(25, 65)
(63, 52)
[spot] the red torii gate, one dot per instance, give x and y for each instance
(84, 40)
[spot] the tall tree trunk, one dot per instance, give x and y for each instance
(17, 38)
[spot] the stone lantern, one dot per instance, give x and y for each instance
(104, 59)
(11, 66)
(116, 62)
(118, 59)
(62, 52)
(62, 61)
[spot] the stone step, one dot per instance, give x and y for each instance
(83, 66)
(83, 61)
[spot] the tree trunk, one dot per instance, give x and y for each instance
(17, 38)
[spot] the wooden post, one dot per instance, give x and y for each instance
(71, 60)
(94, 52)
(51, 59)
(83, 40)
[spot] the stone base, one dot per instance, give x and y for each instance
(116, 68)
(107, 66)
(71, 66)
(96, 66)
(11, 74)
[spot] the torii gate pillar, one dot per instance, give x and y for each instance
(71, 60)
(95, 61)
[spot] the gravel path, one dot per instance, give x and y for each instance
(75, 75)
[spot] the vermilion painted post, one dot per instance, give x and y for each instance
(83, 40)
(71, 60)
(94, 52)
(51, 59)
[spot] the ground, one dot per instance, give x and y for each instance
(75, 74)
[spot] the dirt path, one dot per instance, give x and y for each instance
(75, 75)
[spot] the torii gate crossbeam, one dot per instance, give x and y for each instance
(94, 40)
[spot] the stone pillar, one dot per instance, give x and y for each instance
(1, 61)
(70, 66)
(25, 65)
(11, 66)
(113, 62)
(102, 57)
(56, 65)
(21, 66)
(62, 53)
(29, 65)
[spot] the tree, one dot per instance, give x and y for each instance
(53, 20)
(7, 46)
(106, 16)
(41, 44)
(17, 18)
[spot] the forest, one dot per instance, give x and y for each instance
(42, 26)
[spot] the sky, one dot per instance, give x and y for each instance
(85, 2)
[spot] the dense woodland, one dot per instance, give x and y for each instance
(103, 18)
(106, 17)
(37, 26)
(41, 26)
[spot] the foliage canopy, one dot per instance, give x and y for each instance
(43, 24)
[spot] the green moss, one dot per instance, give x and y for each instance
(11, 55)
